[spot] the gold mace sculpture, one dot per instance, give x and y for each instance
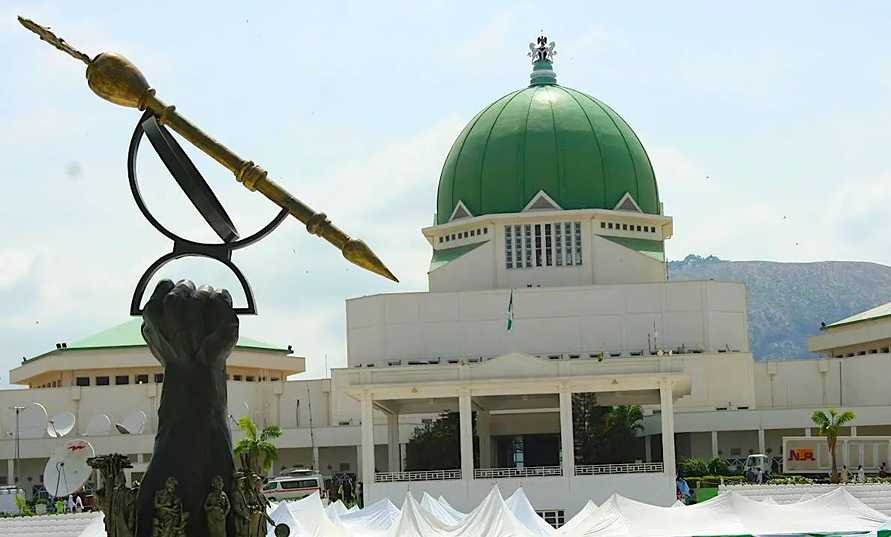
(115, 79)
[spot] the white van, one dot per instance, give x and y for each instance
(295, 485)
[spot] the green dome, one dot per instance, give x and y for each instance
(551, 138)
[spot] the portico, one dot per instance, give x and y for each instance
(499, 392)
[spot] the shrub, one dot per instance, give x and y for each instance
(693, 467)
(718, 466)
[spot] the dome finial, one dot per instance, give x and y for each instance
(542, 53)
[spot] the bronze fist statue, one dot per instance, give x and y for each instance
(191, 332)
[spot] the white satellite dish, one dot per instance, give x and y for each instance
(32, 421)
(100, 425)
(60, 425)
(67, 470)
(134, 423)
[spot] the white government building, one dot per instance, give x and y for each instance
(547, 217)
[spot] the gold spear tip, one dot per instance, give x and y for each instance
(358, 253)
(46, 35)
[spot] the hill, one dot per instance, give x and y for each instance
(787, 301)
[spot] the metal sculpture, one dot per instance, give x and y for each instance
(116, 79)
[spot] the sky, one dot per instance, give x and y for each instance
(767, 124)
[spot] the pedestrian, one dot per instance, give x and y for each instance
(883, 470)
(861, 474)
(844, 474)
(69, 504)
(78, 504)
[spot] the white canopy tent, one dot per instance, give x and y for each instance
(729, 514)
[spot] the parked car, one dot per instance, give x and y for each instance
(294, 485)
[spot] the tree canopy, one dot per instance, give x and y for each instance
(256, 447)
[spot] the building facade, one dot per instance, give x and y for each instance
(547, 279)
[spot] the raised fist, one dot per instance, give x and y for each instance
(182, 323)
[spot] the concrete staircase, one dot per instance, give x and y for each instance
(877, 496)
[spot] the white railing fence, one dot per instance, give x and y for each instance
(424, 475)
(627, 468)
(528, 471)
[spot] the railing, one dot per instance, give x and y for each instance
(529, 471)
(628, 468)
(427, 475)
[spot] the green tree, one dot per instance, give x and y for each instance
(829, 424)
(436, 445)
(605, 435)
(256, 448)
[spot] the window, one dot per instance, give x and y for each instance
(82, 381)
(554, 517)
(472, 232)
(624, 227)
(344, 467)
(141, 379)
(122, 379)
(543, 245)
(508, 248)
(602, 225)
(440, 239)
(249, 378)
(558, 239)
(638, 228)
(537, 245)
(465, 234)
(547, 246)
(236, 377)
(101, 381)
(159, 378)
(610, 225)
(485, 230)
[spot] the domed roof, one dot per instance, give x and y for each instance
(549, 138)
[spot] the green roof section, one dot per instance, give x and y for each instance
(549, 138)
(129, 334)
(443, 257)
(654, 249)
(877, 312)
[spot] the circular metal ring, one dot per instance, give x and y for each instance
(185, 244)
(189, 179)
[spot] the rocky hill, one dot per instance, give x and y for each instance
(787, 301)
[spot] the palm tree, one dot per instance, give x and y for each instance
(255, 447)
(829, 425)
(626, 418)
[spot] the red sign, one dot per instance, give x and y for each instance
(802, 454)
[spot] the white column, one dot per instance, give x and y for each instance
(393, 443)
(567, 442)
(807, 431)
(666, 405)
(484, 432)
(367, 440)
(315, 459)
(715, 448)
(648, 448)
(853, 430)
(10, 472)
(466, 422)
(761, 443)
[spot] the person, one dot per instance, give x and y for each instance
(861, 474)
(883, 470)
(78, 504)
(69, 506)
(683, 489)
(844, 474)
(759, 476)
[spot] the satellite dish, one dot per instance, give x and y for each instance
(67, 470)
(99, 425)
(60, 425)
(32, 421)
(134, 423)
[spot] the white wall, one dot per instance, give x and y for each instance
(854, 381)
(616, 264)
(603, 318)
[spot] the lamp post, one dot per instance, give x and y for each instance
(16, 465)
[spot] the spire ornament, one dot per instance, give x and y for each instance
(542, 52)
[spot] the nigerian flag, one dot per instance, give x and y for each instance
(510, 310)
